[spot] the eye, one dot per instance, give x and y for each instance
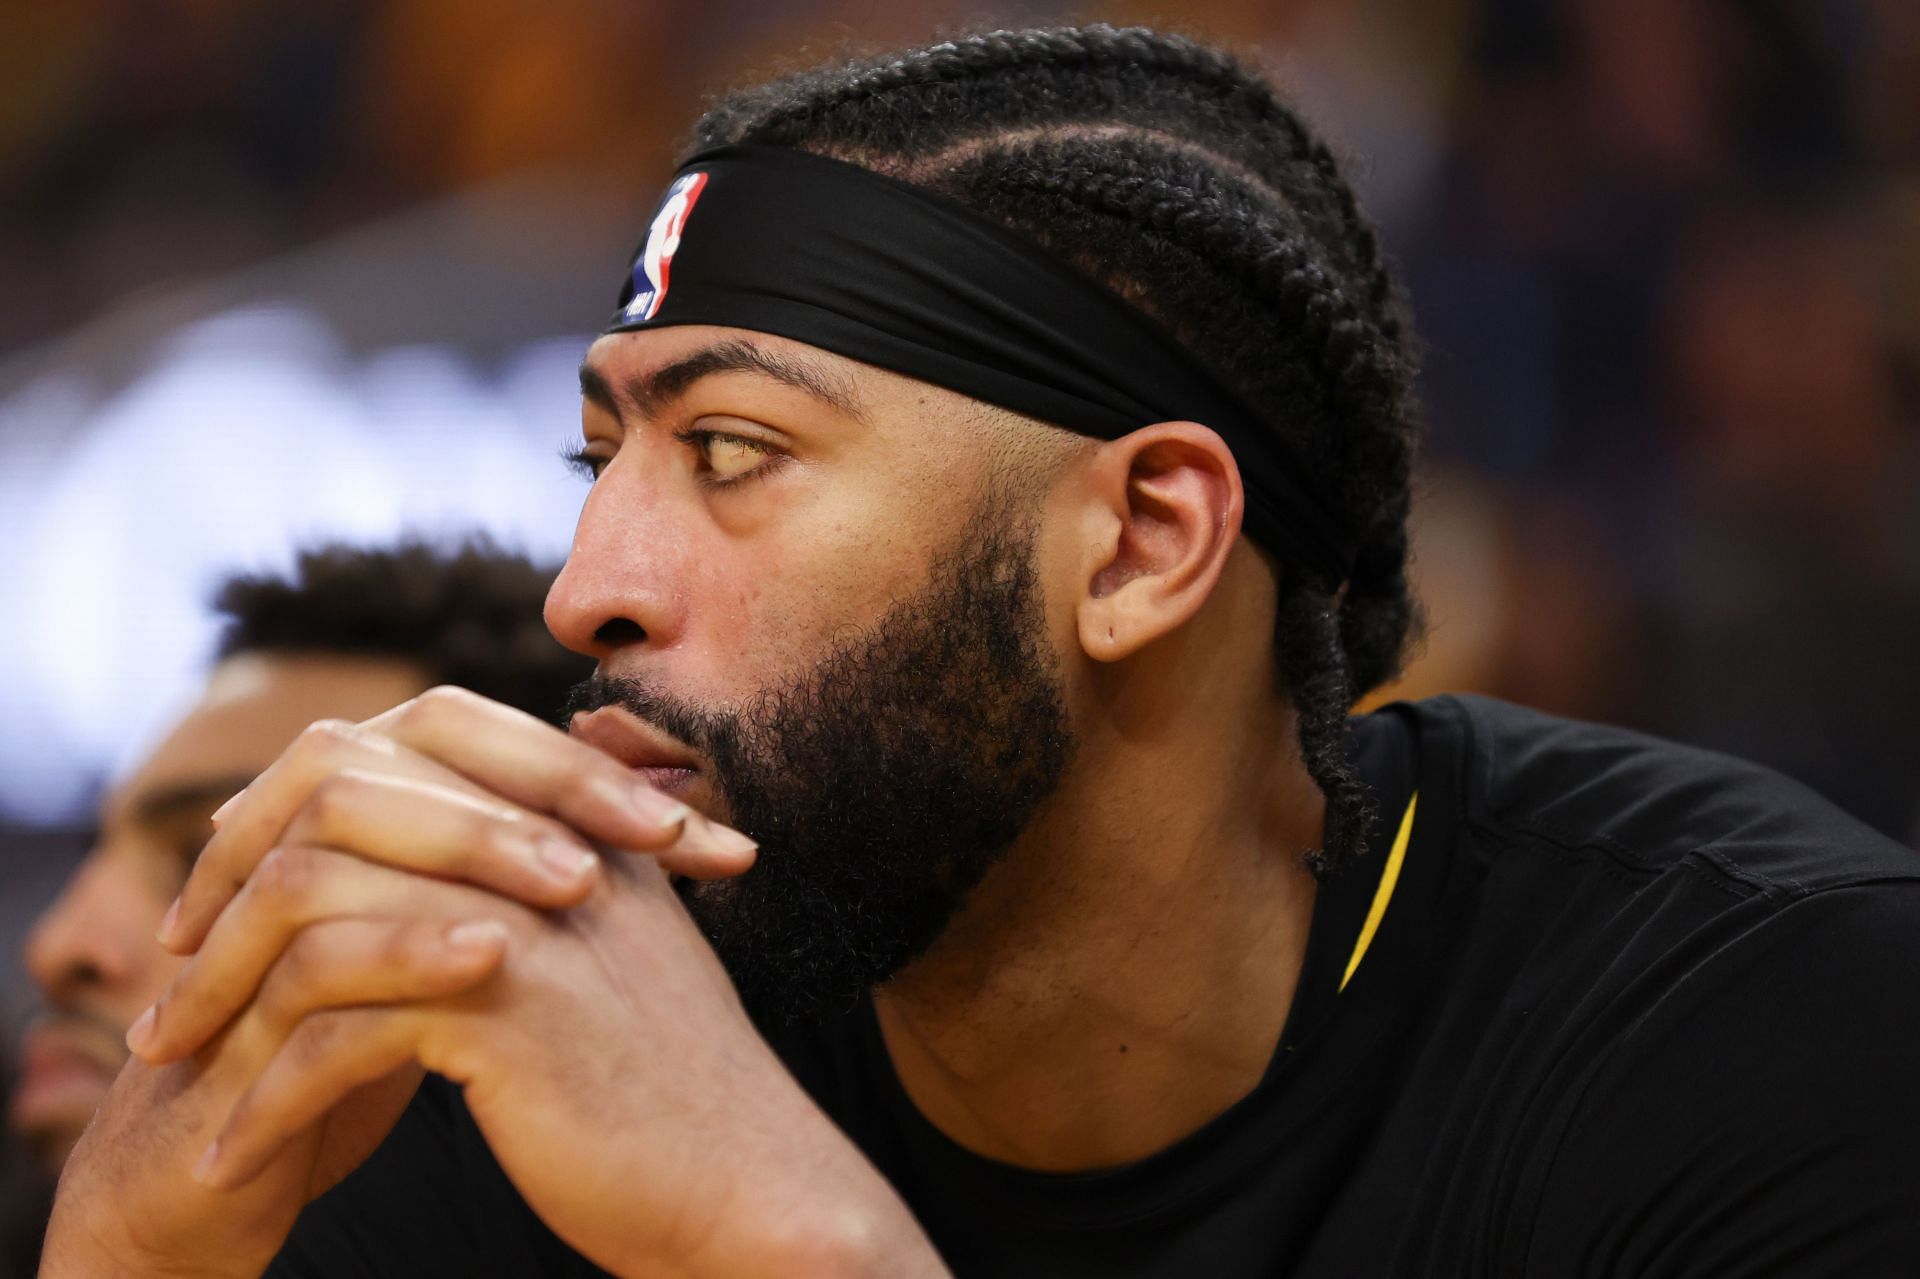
(583, 462)
(728, 459)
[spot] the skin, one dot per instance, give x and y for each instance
(1142, 939)
(92, 952)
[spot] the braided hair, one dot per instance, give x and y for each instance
(1177, 177)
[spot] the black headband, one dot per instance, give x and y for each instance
(854, 262)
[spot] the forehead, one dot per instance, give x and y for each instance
(252, 707)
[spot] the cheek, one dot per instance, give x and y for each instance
(777, 611)
(773, 606)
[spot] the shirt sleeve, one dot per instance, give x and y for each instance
(1762, 1117)
(431, 1201)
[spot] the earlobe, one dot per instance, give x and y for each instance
(1168, 503)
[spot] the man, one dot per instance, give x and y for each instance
(1085, 934)
(350, 633)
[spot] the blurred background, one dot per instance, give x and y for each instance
(277, 271)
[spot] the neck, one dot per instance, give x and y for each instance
(1123, 976)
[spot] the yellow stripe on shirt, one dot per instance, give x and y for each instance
(1388, 878)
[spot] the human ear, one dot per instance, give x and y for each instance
(1166, 510)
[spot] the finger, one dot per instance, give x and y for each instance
(256, 819)
(339, 962)
(294, 886)
(450, 834)
(326, 1057)
(516, 755)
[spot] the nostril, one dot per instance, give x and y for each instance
(619, 632)
(71, 979)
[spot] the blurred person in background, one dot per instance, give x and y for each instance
(350, 632)
(1796, 557)
(1068, 923)
(1665, 277)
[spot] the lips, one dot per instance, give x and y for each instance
(663, 762)
(65, 1070)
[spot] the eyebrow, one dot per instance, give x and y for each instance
(654, 391)
(187, 798)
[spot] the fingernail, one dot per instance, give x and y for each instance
(657, 808)
(722, 839)
(567, 862)
(141, 1032)
(167, 921)
(203, 1170)
(227, 807)
(477, 934)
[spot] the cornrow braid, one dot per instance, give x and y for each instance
(1219, 212)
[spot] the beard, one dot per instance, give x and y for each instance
(881, 784)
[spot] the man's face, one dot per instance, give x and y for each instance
(92, 953)
(818, 597)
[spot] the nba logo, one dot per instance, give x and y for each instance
(663, 241)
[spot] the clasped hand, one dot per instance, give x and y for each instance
(453, 886)
(377, 873)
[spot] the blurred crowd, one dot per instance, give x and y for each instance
(1665, 270)
(1661, 253)
(1659, 250)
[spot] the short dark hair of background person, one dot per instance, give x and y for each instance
(461, 615)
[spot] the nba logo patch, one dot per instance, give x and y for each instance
(663, 241)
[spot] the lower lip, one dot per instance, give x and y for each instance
(674, 781)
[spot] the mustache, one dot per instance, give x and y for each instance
(676, 717)
(79, 1023)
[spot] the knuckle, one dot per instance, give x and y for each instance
(312, 1041)
(416, 947)
(534, 831)
(291, 984)
(330, 797)
(322, 740)
(482, 839)
(437, 705)
(286, 875)
(496, 821)
(514, 837)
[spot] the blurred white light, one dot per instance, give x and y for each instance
(252, 434)
(43, 771)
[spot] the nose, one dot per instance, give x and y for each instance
(93, 935)
(625, 579)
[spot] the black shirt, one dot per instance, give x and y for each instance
(1622, 1008)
